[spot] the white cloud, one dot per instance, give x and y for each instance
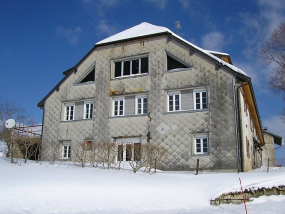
(185, 3)
(100, 7)
(70, 35)
(103, 27)
(213, 41)
(161, 4)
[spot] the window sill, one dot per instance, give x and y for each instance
(201, 155)
(67, 121)
(177, 70)
(85, 83)
(186, 111)
(131, 76)
(125, 116)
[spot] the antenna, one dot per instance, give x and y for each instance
(10, 123)
(177, 26)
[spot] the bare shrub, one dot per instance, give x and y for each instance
(80, 154)
(94, 157)
(29, 146)
(52, 150)
(152, 156)
(12, 149)
(107, 153)
(135, 158)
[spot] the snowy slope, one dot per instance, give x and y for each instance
(33, 188)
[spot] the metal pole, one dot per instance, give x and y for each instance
(243, 196)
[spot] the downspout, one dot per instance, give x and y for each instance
(239, 129)
(236, 123)
(42, 133)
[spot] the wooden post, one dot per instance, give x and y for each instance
(155, 165)
(197, 167)
(268, 165)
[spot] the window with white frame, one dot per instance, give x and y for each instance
(141, 105)
(118, 106)
(66, 150)
(88, 110)
(200, 99)
(69, 111)
(131, 66)
(174, 101)
(201, 144)
(129, 149)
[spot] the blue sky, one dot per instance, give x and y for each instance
(41, 39)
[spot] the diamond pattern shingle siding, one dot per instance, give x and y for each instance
(174, 131)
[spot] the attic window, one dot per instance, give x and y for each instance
(88, 76)
(174, 62)
(131, 67)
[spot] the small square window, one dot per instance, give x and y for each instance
(200, 99)
(88, 110)
(174, 101)
(69, 111)
(118, 107)
(66, 150)
(141, 105)
(201, 145)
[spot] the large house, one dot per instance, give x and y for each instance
(148, 85)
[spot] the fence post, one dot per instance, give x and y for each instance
(197, 167)
(268, 165)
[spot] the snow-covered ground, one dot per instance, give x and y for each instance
(64, 188)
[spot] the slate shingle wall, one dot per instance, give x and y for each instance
(172, 130)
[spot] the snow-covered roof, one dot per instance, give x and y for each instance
(146, 29)
(216, 52)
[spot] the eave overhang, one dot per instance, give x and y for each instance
(249, 94)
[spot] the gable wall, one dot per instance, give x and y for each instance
(172, 130)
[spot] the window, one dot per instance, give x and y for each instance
(130, 105)
(66, 151)
(118, 106)
(130, 67)
(141, 105)
(174, 101)
(77, 110)
(174, 62)
(186, 100)
(88, 76)
(129, 149)
(69, 111)
(88, 145)
(201, 144)
(200, 99)
(88, 110)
